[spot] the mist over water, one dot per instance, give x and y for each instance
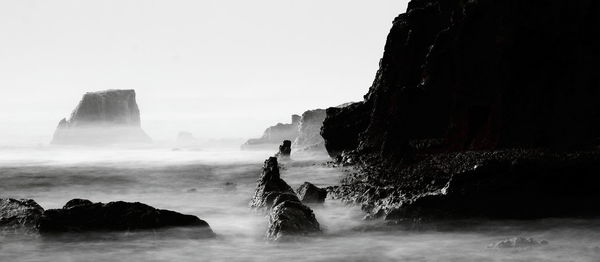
(216, 186)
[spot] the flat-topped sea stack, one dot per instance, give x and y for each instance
(103, 118)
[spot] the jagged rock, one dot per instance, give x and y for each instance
(285, 149)
(486, 75)
(269, 182)
(104, 117)
(19, 213)
(309, 131)
(80, 215)
(518, 242)
(275, 134)
(309, 193)
(287, 215)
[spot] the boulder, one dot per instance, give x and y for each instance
(19, 213)
(309, 193)
(288, 217)
(100, 118)
(80, 215)
(275, 134)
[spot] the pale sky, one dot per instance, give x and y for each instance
(216, 68)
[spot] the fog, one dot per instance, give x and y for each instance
(216, 68)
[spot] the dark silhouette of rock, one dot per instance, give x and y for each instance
(511, 79)
(285, 149)
(518, 242)
(82, 215)
(104, 117)
(19, 213)
(288, 217)
(275, 134)
(309, 131)
(309, 193)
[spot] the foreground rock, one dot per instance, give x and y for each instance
(310, 194)
(19, 213)
(518, 242)
(79, 215)
(288, 217)
(101, 118)
(473, 113)
(275, 134)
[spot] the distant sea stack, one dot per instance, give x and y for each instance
(275, 134)
(103, 118)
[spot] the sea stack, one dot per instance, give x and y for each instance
(103, 118)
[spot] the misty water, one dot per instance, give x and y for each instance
(216, 185)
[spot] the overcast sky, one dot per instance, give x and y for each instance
(216, 68)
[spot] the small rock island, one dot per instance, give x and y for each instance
(103, 118)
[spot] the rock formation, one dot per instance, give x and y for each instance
(288, 217)
(100, 118)
(309, 193)
(285, 149)
(275, 134)
(309, 131)
(518, 242)
(511, 79)
(186, 139)
(79, 215)
(19, 213)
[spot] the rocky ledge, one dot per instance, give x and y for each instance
(288, 217)
(80, 215)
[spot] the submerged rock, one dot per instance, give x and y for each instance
(104, 117)
(19, 213)
(275, 134)
(309, 193)
(288, 217)
(80, 215)
(518, 242)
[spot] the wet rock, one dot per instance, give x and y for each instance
(275, 134)
(518, 242)
(104, 117)
(309, 193)
(291, 218)
(19, 213)
(269, 183)
(288, 217)
(285, 149)
(82, 215)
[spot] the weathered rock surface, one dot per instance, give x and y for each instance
(104, 117)
(518, 242)
(309, 193)
(79, 215)
(275, 134)
(288, 217)
(309, 131)
(19, 213)
(489, 75)
(285, 149)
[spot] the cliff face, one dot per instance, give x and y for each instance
(309, 130)
(274, 135)
(468, 75)
(104, 117)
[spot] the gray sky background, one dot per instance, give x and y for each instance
(217, 68)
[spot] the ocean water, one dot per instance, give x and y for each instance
(216, 185)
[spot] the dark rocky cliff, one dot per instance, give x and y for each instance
(479, 108)
(470, 75)
(104, 117)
